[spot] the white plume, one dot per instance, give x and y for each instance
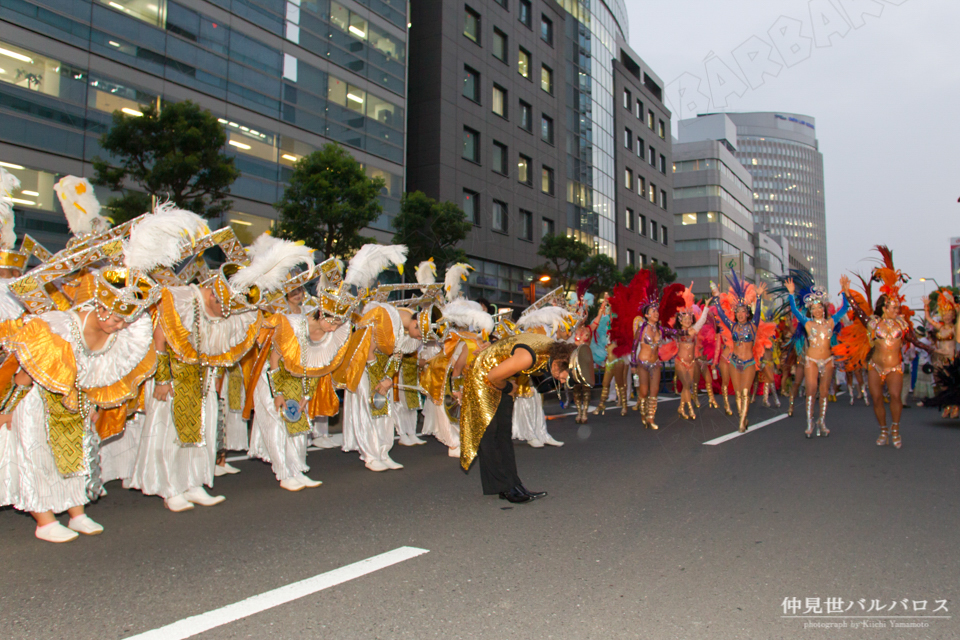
(371, 260)
(158, 240)
(455, 275)
(426, 273)
(469, 314)
(270, 267)
(550, 318)
(80, 206)
(263, 242)
(8, 184)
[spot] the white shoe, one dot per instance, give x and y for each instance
(376, 465)
(84, 524)
(536, 444)
(406, 440)
(178, 503)
(552, 442)
(391, 463)
(291, 484)
(415, 440)
(56, 532)
(454, 453)
(307, 481)
(225, 469)
(199, 495)
(326, 442)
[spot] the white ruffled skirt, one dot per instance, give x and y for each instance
(269, 440)
(118, 454)
(372, 437)
(404, 419)
(165, 468)
(529, 421)
(41, 487)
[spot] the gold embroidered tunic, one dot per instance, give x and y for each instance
(480, 398)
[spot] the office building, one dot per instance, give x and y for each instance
(284, 77)
(519, 110)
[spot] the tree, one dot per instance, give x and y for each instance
(329, 201)
(431, 229)
(604, 270)
(665, 275)
(628, 272)
(565, 255)
(174, 153)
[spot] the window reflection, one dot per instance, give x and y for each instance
(150, 11)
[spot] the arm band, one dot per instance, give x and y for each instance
(15, 393)
(163, 374)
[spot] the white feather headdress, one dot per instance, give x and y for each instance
(271, 264)
(371, 260)
(455, 275)
(426, 273)
(158, 240)
(550, 318)
(8, 184)
(80, 206)
(469, 314)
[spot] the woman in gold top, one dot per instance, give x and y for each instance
(487, 414)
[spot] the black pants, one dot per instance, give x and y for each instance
(498, 465)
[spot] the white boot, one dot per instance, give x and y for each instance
(55, 532)
(550, 440)
(328, 441)
(391, 463)
(178, 503)
(199, 495)
(536, 444)
(376, 465)
(454, 453)
(225, 469)
(84, 524)
(292, 484)
(307, 481)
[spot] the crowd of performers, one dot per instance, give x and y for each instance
(126, 357)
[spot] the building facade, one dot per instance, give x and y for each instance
(516, 114)
(283, 77)
(781, 152)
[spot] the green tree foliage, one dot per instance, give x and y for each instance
(174, 153)
(431, 229)
(604, 270)
(665, 275)
(328, 202)
(564, 258)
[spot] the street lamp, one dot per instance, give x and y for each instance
(933, 280)
(544, 279)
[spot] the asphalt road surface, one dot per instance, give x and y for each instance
(644, 535)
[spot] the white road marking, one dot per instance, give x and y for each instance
(737, 434)
(194, 625)
(612, 406)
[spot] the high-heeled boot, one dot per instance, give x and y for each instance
(682, 409)
(578, 403)
(695, 397)
(866, 398)
(651, 411)
(602, 402)
(882, 440)
(895, 435)
(726, 403)
(851, 389)
(744, 397)
(766, 394)
(693, 416)
(622, 398)
(821, 423)
(641, 406)
(790, 406)
(775, 395)
(711, 399)
(809, 431)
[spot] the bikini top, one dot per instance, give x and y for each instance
(890, 331)
(819, 332)
(652, 339)
(743, 333)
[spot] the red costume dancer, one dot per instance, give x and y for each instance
(687, 321)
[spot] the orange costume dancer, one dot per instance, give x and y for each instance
(687, 321)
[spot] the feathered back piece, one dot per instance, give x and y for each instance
(271, 263)
(803, 285)
(671, 302)
(453, 279)
(468, 314)
(80, 206)
(426, 273)
(742, 291)
(625, 304)
(889, 276)
(159, 240)
(550, 318)
(945, 302)
(367, 264)
(8, 184)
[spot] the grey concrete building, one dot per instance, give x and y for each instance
(781, 152)
(283, 76)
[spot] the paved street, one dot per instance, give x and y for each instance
(644, 535)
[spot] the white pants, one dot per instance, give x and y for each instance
(529, 421)
(118, 454)
(372, 437)
(269, 439)
(440, 425)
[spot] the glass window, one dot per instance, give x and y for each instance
(470, 207)
(526, 225)
(471, 84)
(639, 110)
(663, 163)
(523, 170)
(471, 145)
(149, 12)
(642, 224)
(630, 259)
(500, 101)
(546, 29)
(499, 216)
(652, 156)
(663, 235)
(499, 45)
(35, 190)
(628, 219)
(627, 100)
(471, 24)
(500, 158)
(35, 72)
(628, 138)
(546, 129)
(628, 179)
(650, 119)
(688, 218)
(654, 228)
(523, 62)
(546, 227)
(663, 199)
(652, 193)
(546, 79)
(503, 3)
(526, 116)
(524, 13)
(641, 186)
(546, 182)
(662, 130)
(640, 147)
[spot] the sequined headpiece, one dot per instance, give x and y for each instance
(120, 291)
(817, 296)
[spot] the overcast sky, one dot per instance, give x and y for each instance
(885, 96)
